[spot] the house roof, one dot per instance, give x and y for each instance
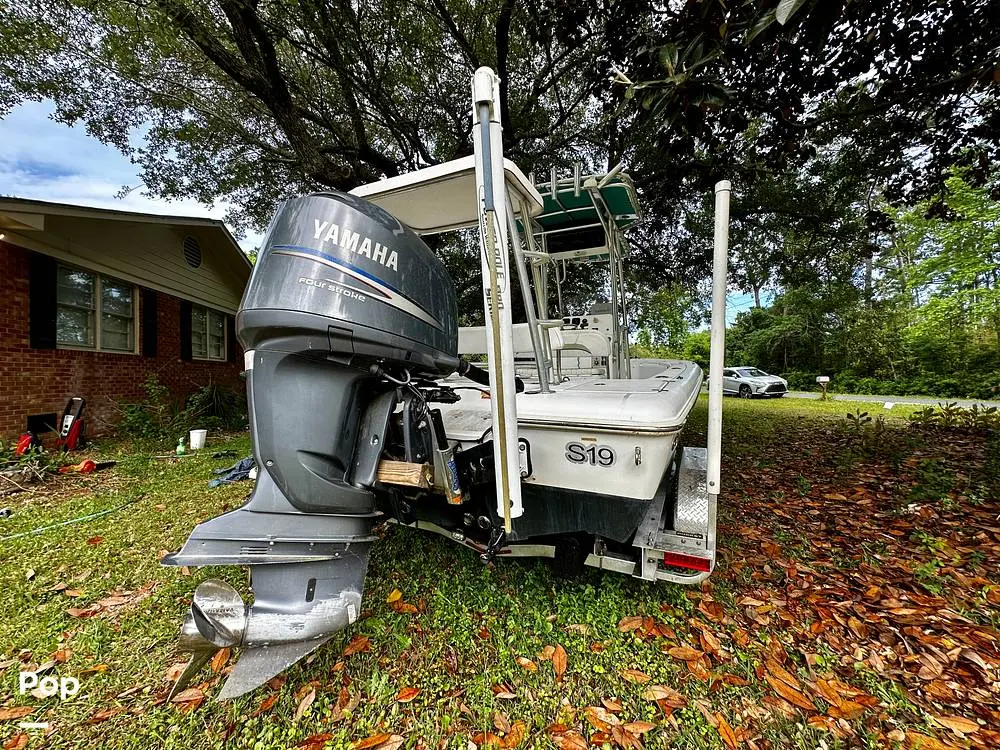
(147, 249)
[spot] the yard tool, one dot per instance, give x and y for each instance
(86, 467)
(364, 409)
(71, 430)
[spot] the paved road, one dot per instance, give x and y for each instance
(918, 400)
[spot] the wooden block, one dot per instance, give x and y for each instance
(405, 473)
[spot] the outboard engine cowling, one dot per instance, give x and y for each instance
(344, 304)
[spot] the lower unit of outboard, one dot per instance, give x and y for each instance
(346, 311)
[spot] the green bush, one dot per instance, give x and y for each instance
(156, 418)
(162, 418)
(799, 380)
(217, 407)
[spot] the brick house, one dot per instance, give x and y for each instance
(93, 301)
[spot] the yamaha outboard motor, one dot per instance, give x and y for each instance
(346, 311)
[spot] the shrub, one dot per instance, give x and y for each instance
(800, 380)
(215, 406)
(160, 417)
(156, 418)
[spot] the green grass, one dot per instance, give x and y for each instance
(473, 624)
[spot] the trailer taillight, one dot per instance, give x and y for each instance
(691, 562)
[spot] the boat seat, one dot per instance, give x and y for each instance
(594, 343)
(472, 339)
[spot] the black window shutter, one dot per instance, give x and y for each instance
(150, 332)
(42, 301)
(185, 329)
(232, 345)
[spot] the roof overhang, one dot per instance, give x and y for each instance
(29, 215)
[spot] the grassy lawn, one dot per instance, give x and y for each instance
(855, 604)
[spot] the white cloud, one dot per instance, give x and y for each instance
(45, 160)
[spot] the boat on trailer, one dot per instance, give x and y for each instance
(367, 404)
(602, 479)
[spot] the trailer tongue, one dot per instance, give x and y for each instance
(362, 410)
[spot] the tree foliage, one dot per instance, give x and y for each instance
(930, 324)
(246, 101)
(896, 93)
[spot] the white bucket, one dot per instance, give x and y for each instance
(198, 439)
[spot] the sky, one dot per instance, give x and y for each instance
(46, 160)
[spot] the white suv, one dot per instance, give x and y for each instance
(747, 382)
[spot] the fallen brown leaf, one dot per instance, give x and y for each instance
(95, 540)
(17, 712)
(709, 643)
(790, 694)
(779, 672)
(601, 718)
(407, 694)
(918, 741)
(559, 662)
(17, 742)
(487, 739)
(630, 623)
(958, 724)
(368, 742)
(191, 694)
(685, 653)
(664, 693)
(546, 653)
(501, 722)
(220, 659)
(82, 613)
(61, 656)
(106, 713)
(726, 733)
(846, 710)
(504, 691)
(571, 740)
(517, 734)
(403, 608)
(639, 727)
(634, 675)
(624, 739)
(307, 700)
(527, 664)
(266, 705)
(612, 705)
(315, 741)
(358, 644)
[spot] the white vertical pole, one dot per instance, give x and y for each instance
(718, 352)
(491, 187)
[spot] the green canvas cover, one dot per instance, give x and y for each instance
(568, 210)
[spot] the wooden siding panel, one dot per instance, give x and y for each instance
(152, 255)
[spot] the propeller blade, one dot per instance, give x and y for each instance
(198, 660)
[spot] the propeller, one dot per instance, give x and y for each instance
(217, 619)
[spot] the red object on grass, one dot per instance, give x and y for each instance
(24, 443)
(84, 467)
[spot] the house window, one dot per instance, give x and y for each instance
(94, 312)
(208, 334)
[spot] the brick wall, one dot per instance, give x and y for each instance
(34, 381)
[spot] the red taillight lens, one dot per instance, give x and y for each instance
(691, 562)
